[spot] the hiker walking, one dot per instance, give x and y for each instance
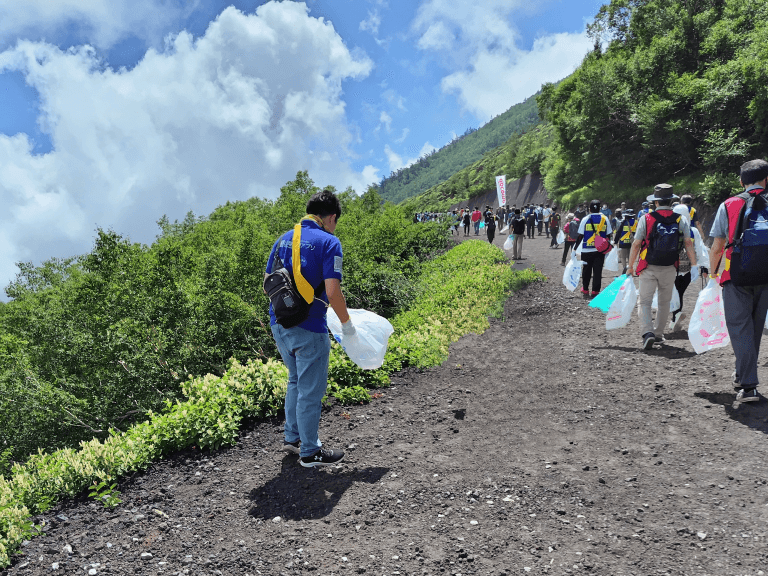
(476, 217)
(591, 228)
(740, 233)
(490, 224)
(625, 233)
(554, 228)
(571, 231)
(657, 242)
(466, 220)
(530, 221)
(517, 228)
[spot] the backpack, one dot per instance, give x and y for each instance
(290, 307)
(664, 240)
(750, 245)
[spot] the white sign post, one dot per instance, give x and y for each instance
(501, 190)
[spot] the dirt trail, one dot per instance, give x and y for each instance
(544, 446)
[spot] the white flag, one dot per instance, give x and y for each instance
(501, 190)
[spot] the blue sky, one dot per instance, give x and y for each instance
(116, 112)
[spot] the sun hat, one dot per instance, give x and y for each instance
(662, 192)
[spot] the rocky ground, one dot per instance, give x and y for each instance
(544, 446)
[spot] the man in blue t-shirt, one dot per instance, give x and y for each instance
(305, 348)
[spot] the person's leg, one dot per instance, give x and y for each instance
(665, 277)
(647, 289)
(491, 234)
(311, 351)
(739, 305)
(597, 273)
(682, 281)
(586, 270)
(291, 431)
(519, 245)
(568, 246)
(623, 259)
(546, 228)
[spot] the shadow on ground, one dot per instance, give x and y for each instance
(754, 415)
(299, 493)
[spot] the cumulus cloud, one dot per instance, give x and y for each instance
(479, 47)
(232, 114)
(101, 22)
(372, 23)
(385, 120)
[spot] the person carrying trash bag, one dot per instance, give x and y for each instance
(740, 232)
(657, 242)
(517, 226)
(313, 255)
(593, 230)
(571, 231)
(625, 232)
(490, 224)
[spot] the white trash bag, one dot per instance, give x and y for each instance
(572, 274)
(504, 230)
(620, 312)
(612, 260)
(508, 242)
(560, 237)
(368, 346)
(674, 304)
(707, 329)
(702, 252)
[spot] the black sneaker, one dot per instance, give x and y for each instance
(746, 395)
(291, 447)
(648, 340)
(323, 457)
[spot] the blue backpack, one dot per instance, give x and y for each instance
(750, 245)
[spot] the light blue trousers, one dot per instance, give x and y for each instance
(305, 354)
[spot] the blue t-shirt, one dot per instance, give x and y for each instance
(321, 259)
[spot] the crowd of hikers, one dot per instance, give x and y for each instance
(663, 245)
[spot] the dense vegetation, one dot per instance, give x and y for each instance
(96, 342)
(456, 291)
(443, 164)
(679, 91)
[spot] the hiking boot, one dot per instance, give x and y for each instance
(292, 447)
(676, 320)
(323, 457)
(648, 340)
(659, 339)
(746, 395)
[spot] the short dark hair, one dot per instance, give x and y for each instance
(686, 199)
(594, 206)
(517, 210)
(753, 171)
(324, 204)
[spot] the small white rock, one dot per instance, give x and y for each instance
(146, 556)
(473, 522)
(92, 572)
(55, 566)
(276, 519)
(701, 535)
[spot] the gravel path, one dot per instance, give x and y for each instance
(544, 446)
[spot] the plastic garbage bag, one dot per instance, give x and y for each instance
(578, 248)
(612, 261)
(674, 304)
(560, 237)
(604, 300)
(620, 312)
(482, 225)
(702, 252)
(509, 242)
(504, 230)
(572, 273)
(707, 329)
(368, 346)
(694, 274)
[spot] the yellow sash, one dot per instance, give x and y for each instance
(304, 287)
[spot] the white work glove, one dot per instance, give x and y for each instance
(348, 329)
(694, 273)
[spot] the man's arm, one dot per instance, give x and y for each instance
(688, 244)
(336, 299)
(633, 254)
(716, 254)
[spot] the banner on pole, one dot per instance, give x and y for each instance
(501, 190)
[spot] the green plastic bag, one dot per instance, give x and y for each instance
(604, 300)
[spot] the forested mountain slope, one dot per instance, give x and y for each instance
(440, 165)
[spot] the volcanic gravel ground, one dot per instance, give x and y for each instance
(545, 445)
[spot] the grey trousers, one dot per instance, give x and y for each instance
(517, 246)
(623, 258)
(661, 278)
(745, 309)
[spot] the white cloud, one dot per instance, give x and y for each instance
(233, 114)
(396, 161)
(372, 23)
(395, 99)
(479, 48)
(402, 138)
(386, 121)
(496, 81)
(101, 22)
